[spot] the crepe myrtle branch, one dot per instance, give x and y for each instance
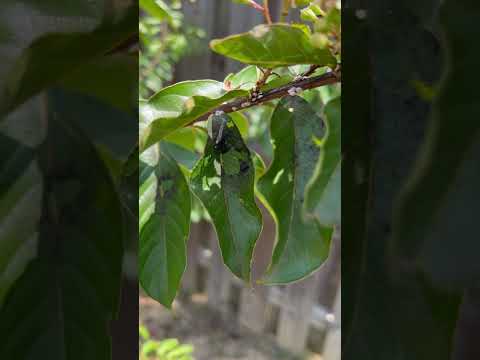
(292, 88)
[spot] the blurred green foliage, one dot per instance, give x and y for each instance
(164, 39)
(168, 349)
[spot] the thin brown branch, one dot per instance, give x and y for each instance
(310, 71)
(288, 89)
(266, 74)
(266, 11)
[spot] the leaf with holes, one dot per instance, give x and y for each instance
(164, 225)
(224, 181)
(323, 192)
(302, 245)
(271, 46)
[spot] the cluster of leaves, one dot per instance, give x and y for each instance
(168, 349)
(164, 39)
(191, 148)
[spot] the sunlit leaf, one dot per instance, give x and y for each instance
(270, 46)
(156, 8)
(176, 106)
(245, 79)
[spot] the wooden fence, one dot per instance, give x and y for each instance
(302, 315)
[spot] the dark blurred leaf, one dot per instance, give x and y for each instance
(62, 304)
(20, 205)
(437, 219)
(106, 126)
(101, 78)
(54, 52)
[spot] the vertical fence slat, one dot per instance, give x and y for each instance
(190, 279)
(197, 66)
(253, 306)
(254, 302)
(295, 314)
(219, 278)
(329, 274)
(333, 342)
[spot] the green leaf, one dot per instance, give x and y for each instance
(323, 193)
(302, 3)
(186, 158)
(189, 138)
(224, 181)
(164, 223)
(143, 332)
(156, 8)
(241, 121)
(302, 245)
(69, 294)
(20, 207)
(245, 79)
(271, 46)
(177, 105)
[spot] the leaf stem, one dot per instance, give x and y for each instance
(302, 83)
(266, 12)
(265, 75)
